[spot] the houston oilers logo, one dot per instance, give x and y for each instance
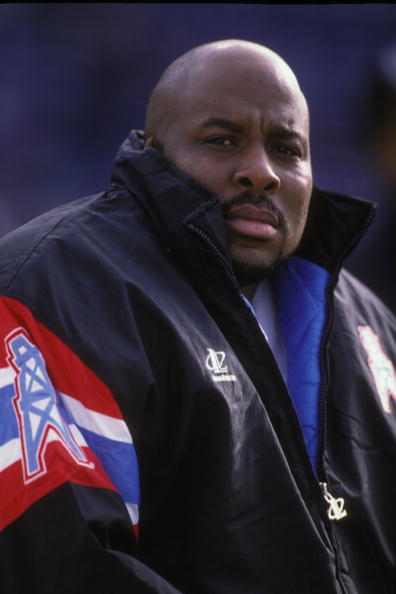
(37, 409)
(381, 367)
(215, 363)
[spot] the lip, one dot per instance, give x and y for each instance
(252, 221)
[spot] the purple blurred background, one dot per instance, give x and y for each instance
(76, 77)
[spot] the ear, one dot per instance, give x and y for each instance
(153, 142)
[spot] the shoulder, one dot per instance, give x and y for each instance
(81, 263)
(82, 232)
(19, 247)
(354, 293)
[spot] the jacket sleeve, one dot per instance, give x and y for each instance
(69, 490)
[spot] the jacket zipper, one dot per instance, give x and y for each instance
(323, 348)
(219, 255)
(337, 507)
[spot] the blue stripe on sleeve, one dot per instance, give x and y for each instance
(9, 424)
(119, 460)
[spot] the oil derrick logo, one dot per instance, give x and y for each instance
(37, 409)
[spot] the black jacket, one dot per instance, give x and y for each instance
(134, 378)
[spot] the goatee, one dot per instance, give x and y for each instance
(248, 273)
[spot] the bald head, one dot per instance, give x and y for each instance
(179, 83)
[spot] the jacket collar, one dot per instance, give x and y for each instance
(174, 201)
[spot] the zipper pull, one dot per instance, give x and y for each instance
(336, 509)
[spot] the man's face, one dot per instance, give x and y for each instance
(242, 131)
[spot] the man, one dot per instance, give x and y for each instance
(194, 398)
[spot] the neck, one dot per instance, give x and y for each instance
(249, 290)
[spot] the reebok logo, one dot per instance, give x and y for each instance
(215, 363)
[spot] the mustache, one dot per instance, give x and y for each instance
(259, 199)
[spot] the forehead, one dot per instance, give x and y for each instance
(243, 90)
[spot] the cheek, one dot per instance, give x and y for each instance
(187, 162)
(204, 171)
(297, 203)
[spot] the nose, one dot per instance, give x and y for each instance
(256, 172)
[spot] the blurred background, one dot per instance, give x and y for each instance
(75, 78)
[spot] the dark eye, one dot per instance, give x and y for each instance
(286, 150)
(221, 141)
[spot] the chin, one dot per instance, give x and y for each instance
(249, 272)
